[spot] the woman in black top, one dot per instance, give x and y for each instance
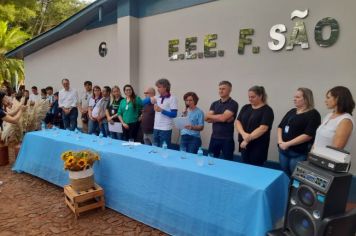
(111, 110)
(254, 124)
(296, 131)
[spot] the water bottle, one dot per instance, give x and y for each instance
(76, 131)
(43, 126)
(164, 152)
(101, 142)
(200, 157)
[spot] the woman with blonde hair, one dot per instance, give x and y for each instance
(254, 124)
(296, 132)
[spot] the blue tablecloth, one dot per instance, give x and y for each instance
(172, 194)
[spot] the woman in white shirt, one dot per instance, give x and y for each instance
(93, 111)
(336, 128)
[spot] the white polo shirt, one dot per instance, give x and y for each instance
(68, 99)
(163, 122)
(34, 98)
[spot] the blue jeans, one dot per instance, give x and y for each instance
(104, 128)
(115, 135)
(289, 159)
(93, 127)
(190, 143)
(70, 120)
(226, 146)
(160, 136)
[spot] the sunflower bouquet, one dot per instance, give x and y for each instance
(77, 161)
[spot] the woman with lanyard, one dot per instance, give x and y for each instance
(111, 110)
(129, 112)
(296, 132)
(93, 111)
(336, 128)
(254, 124)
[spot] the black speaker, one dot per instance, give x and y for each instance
(314, 194)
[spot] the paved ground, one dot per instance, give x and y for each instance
(31, 206)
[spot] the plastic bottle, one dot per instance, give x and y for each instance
(200, 157)
(101, 142)
(164, 147)
(43, 126)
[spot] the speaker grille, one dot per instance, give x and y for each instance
(301, 222)
(306, 195)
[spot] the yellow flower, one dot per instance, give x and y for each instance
(82, 162)
(65, 155)
(70, 160)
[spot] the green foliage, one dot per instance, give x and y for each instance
(38, 16)
(11, 69)
(23, 19)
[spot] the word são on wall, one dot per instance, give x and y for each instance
(298, 36)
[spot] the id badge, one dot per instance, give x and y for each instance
(286, 129)
(127, 107)
(113, 111)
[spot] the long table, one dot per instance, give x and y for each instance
(164, 191)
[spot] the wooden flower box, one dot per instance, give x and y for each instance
(84, 201)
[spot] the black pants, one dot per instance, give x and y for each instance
(131, 132)
(224, 146)
(254, 154)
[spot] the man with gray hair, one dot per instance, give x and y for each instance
(148, 117)
(68, 102)
(166, 107)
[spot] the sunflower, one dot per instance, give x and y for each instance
(67, 166)
(82, 163)
(65, 155)
(70, 160)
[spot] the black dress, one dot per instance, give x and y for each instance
(256, 151)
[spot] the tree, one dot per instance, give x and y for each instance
(11, 70)
(38, 16)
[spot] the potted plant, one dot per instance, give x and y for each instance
(80, 167)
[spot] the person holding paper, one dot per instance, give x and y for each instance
(112, 108)
(129, 111)
(190, 136)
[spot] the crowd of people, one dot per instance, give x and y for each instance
(152, 116)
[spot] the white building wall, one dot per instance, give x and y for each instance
(77, 59)
(280, 72)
